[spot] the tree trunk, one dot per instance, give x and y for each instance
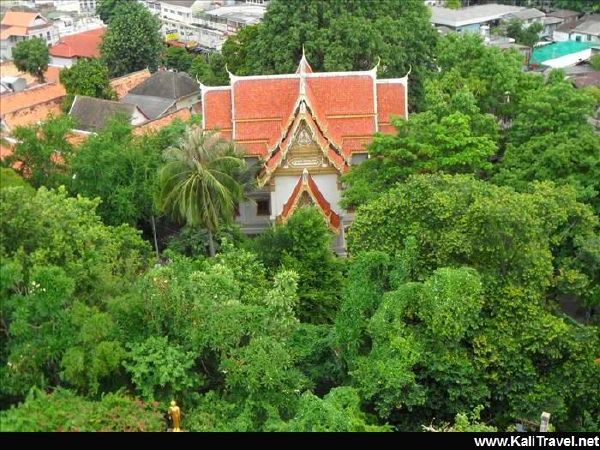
(154, 235)
(211, 244)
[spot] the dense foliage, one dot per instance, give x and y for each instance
(476, 230)
(86, 77)
(132, 41)
(32, 56)
(339, 35)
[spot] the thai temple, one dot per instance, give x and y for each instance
(305, 129)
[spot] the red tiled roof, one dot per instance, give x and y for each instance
(344, 105)
(391, 102)
(126, 83)
(307, 184)
(80, 45)
(9, 31)
(29, 97)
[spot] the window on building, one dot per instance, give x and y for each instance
(48, 35)
(358, 158)
(578, 38)
(263, 207)
(589, 37)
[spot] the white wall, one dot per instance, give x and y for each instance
(569, 60)
(138, 118)
(284, 185)
(57, 61)
(560, 36)
(584, 38)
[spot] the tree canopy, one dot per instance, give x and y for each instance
(338, 35)
(32, 56)
(132, 41)
(86, 77)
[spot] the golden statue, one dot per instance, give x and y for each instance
(175, 414)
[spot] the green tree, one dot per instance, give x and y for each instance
(64, 411)
(304, 244)
(42, 152)
(177, 58)
(32, 56)
(494, 76)
(453, 136)
(86, 77)
(105, 9)
(201, 182)
(210, 70)
(10, 178)
(577, 5)
(453, 4)
(132, 41)
(526, 35)
(510, 238)
(56, 251)
(595, 62)
(340, 35)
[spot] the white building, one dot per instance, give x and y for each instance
(20, 26)
(205, 23)
(76, 6)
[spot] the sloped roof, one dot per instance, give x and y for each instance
(8, 31)
(153, 107)
(589, 25)
(563, 13)
(471, 14)
(126, 83)
(527, 14)
(92, 114)
(80, 45)
(30, 97)
(167, 84)
(155, 125)
(258, 112)
(20, 19)
(307, 185)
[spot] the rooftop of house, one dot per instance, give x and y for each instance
(248, 14)
(556, 50)
(527, 14)
(81, 45)
(122, 85)
(17, 23)
(548, 20)
(28, 98)
(563, 13)
(471, 14)
(92, 114)
(585, 80)
(152, 106)
(589, 25)
(155, 125)
(167, 84)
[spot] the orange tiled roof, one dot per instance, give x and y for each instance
(126, 83)
(345, 105)
(9, 31)
(82, 45)
(19, 19)
(30, 97)
(307, 184)
(154, 125)
(5, 150)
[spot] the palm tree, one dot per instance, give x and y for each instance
(202, 181)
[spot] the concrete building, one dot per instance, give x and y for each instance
(472, 18)
(19, 26)
(92, 114)
(527, 16)
(304, 130)
(204, 23)
(587, 30)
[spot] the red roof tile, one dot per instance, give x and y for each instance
(390, 102)
(126, 83)
(218, 102)
(80, 45)
(19, 19)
